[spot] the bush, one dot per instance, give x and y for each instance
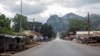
(6, 31)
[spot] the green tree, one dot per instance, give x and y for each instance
(64, 35)
(44, 29)
(47, 30)
(4, 22)
(77, 25)
(5, 25)
(24, 22)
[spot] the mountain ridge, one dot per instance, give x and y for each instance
(60, 24)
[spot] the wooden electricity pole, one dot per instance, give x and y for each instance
(20, 30)
(4, 44)
(20, 18)
(33, 24)
(89, 32)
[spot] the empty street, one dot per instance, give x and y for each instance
(61, 48)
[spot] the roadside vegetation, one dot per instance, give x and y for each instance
(12, 26)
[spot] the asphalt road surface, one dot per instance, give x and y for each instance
(61, 48)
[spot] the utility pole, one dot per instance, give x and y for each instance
(39, 29)
(88, 26)
(20, 18)
(33, 24)
(20, 30)
(4, 44)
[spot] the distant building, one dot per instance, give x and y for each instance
(83, 34)
(96, 33)
(71, 35)
(31, 36)
(31, 26)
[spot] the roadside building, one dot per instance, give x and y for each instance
(31, 36)
(84, 36)
(9, 42)
(96, 33)
(6, 42)
(96, 36)
(37, 36)
(71, 35)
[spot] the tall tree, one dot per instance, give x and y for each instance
(4, 24)
(44, 29)
(24, 22)
(77, 25)
(47, 30)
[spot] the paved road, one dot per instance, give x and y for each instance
(61, 48)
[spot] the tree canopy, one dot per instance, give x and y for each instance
(5, 25)
(24, 22)
(77, 25)
(44, 29)
(47, 30)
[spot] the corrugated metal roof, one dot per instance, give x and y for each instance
(96, 33)
(84, 32)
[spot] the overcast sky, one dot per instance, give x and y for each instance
(42, 9)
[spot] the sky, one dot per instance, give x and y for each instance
(41, 10)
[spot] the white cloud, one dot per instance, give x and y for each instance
(42, 9)
(38, 18)
(93, 9)
(29, 9)
(57, 9)
(4, 10)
